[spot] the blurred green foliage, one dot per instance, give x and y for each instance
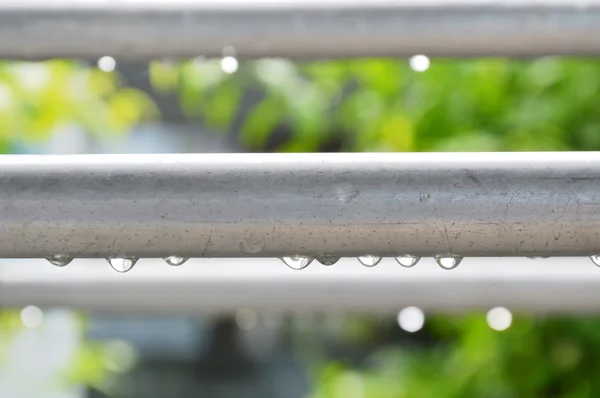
(549, 357)
(94, 363)
(366, 105)
(37, 99)
(383, 105)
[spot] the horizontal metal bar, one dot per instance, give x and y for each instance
(265, 205)
(296, 28)
(555, 285)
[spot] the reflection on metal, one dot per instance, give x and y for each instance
(209, 286)
(257, 205)
(297, 28)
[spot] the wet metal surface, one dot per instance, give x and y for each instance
(294, 28)
(234, 205)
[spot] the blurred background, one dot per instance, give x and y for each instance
(230, 105)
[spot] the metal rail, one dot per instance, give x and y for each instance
(268, 205)
(298, 28)
(201, 286)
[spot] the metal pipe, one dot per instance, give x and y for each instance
(555, 285)
(298, 28)
(267, 205)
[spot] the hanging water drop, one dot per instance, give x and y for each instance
(175, 260)
(407, 260)
(448, 262)
(369, 261)
(596, 259)
(327, 259)
(60, 260)
(122, 264)
(297, 262)
(536, 257)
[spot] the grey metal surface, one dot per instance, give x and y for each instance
(210, 286)
(294, 28)
(266, 205)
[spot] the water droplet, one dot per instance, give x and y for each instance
(448, 261)
(60, 260)
(596, 259)
(246, 319)
(499, 318)
(122, 264)
(411, 319)
(327, 259)
(107, 64)
(175, 261)
(369, 261)
(407, 260)
(536, 257)
(229, 65)
(297, 262)
(419, 63)
(32, 316)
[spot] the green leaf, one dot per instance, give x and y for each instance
(260, 123)
(223, 105)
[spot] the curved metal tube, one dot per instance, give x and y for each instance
(146, 29)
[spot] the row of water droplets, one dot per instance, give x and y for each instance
(446, 262)
(119, 264)
(298, 262)
(124, 264)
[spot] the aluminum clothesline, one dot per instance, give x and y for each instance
(205, 286)
(274, 205)
(145, 29)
